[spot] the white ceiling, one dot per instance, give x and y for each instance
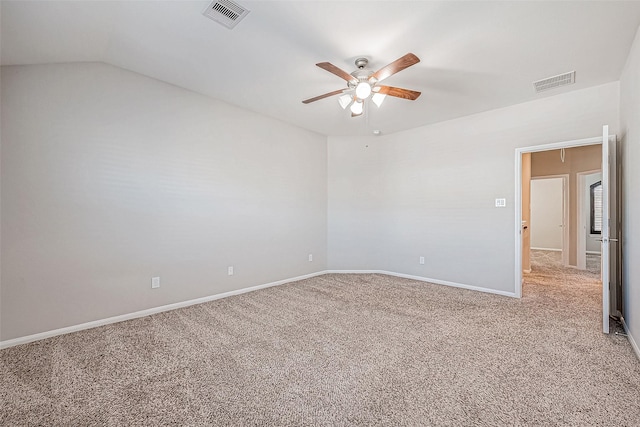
(475, 56)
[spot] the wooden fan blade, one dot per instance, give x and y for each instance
(326, 95)
(398, 65)
(411, 95)
(337, 71)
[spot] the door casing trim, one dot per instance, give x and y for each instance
(518, 199)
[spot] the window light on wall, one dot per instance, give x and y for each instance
(595, 203)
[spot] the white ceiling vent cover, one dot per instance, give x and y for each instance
(555, 81)
(226, 12)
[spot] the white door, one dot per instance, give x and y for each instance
(547, 213)
(609, 228)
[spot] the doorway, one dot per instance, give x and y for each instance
(589, 219)
(605, 145)
(549, 215)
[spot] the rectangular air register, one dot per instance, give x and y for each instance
(226, 12)
(555, 81)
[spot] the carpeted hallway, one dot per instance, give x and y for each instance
(340, 350)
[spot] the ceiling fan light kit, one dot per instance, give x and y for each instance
(363, 90)
(345, 100)
(378, 98)
(357, 107)
(363, 83)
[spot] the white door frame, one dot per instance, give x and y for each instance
(565, 213)
(518, 201)
(582, 222)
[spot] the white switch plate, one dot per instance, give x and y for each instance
(310, 257)
(501, 203)
(230, 270)
(155, 282)
(421, 260)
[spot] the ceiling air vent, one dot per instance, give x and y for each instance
(555, 81)
(226, 12)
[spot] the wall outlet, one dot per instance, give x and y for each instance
(501, 203)
(155, 282)
(310, 257)
(421, 260)
(230, 270)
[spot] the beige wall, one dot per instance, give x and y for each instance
(577, 159)
(431, 191)
(630, 171)
(110, 177)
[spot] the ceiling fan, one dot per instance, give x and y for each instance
(363, 83)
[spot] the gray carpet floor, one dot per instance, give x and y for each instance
(593, 263)
(554, 259)
(340, 350)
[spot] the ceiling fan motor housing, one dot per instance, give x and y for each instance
(361, 74)
(361, 62)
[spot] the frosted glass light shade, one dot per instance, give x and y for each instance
(378, 98)
(363, 90)
(344, 100)
(356, 107)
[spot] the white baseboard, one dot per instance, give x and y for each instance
(426, 279)
(633, 342)
(150, 311)
(546, 249)
(355, 272)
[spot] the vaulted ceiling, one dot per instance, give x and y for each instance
(475, 56)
